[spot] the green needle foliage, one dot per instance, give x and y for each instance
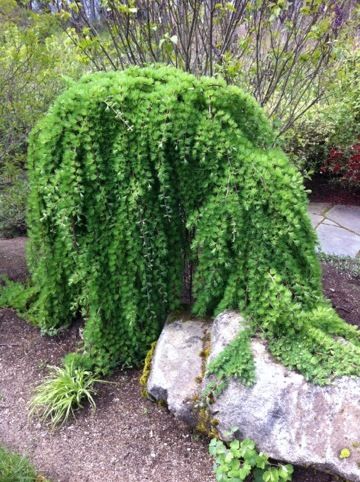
(16, 295)
(62, 392)
(136, 174)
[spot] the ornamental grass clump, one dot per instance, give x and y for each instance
(135, 176)
(65, 390)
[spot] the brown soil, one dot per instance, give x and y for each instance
(343, 289)
(128, 438)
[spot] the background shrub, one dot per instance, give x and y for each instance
(325, 140)
(282, 52)
(35, 56)
(13, 200)
(35, 59)
(343, 165)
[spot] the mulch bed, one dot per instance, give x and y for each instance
(343, 289)
(128, 438)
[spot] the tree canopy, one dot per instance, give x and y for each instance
(138, 177)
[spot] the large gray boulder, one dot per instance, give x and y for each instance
(289, 418)
(176, 369)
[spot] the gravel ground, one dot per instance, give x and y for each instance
(128, 438)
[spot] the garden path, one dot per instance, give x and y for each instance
(337, 227)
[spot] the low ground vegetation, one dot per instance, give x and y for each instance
(15, 468)
(65, 390)
(343, 264)
(238, 461)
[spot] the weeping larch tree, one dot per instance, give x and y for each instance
(137, 175)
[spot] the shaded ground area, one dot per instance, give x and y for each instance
(128, 439)
(12, 258)
(323, 189)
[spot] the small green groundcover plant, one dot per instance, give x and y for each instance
(239, 460)
(65, 390)
(344, 264)
(15, 468)
(136, 175)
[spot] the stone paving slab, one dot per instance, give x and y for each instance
(319, 208)
(329, 222)
(337, 227)
(346, 216)
(316, 219)
(338, 241)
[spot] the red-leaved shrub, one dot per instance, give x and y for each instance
(344, 165)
